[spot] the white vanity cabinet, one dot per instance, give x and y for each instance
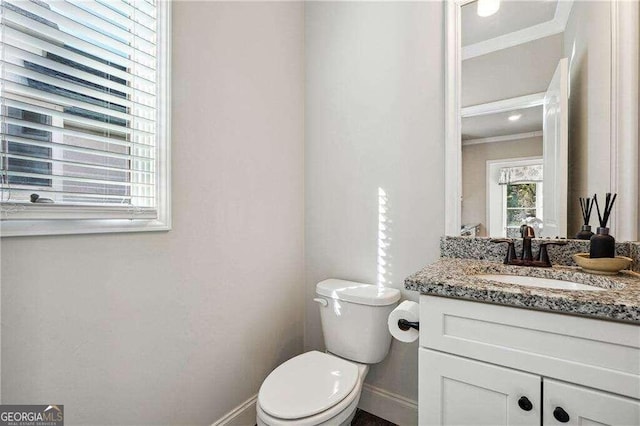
(460, 391)
(487, 364)
(586, 406)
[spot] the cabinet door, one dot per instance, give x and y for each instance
(458, 391)
(584, 406)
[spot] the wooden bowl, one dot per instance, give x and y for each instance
(602, 265)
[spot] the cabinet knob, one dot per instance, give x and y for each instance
(525, 404)
(560, 415)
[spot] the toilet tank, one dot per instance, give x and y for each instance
(354, 319)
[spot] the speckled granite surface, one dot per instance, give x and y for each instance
(481, 248)
(634, 253)
(455, 278)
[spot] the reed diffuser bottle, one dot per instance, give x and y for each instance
(603, 244)
(586, 206)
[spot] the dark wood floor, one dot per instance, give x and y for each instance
(362, 418)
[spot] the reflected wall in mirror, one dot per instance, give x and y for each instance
(535, 115)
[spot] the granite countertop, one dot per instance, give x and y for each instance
(455, 278)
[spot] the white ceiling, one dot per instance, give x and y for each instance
(491, 125)
(510, 73)
(512, 16)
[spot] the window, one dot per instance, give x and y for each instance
(25, 158)
(84, 116)
(521, 201)
(514, 194)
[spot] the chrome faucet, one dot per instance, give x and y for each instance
(526, 256)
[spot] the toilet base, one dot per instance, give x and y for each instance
(343, 418)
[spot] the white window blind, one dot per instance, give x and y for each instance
(79, 95)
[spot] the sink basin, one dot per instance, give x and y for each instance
(539, 282)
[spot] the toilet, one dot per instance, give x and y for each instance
(318, 388)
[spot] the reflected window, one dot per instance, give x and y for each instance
(521, 201)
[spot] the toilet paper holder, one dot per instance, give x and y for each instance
(405, 325)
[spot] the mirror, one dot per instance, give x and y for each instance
(535, 119)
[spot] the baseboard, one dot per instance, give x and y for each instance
(388, 405)
(243, 415)
(379, 402)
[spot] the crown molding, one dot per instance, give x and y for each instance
(526, 35)
(505, 138)
(503, 105)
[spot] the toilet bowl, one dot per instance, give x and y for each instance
(318, 388)
(314, 388)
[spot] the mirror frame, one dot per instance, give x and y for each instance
(625, 44)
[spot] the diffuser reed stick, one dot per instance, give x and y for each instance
(608, 206)
(586, 206)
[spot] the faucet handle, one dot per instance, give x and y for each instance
(501, 240)
(554, 242)
(511, 249)
(543, 254)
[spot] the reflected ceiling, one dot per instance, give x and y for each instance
(512, 16)
(492, 125)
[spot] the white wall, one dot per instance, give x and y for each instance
(374, 120)
(589, 105)
(474, 174)
(181, 327)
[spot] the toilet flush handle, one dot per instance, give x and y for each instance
(321, 301)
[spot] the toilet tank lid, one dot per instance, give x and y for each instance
(355, 292)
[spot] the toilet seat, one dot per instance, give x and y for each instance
(311, 389)
(307, 384)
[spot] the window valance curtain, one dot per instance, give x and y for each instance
(520, 174)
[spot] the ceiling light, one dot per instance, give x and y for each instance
(515, 117)
(488, 7)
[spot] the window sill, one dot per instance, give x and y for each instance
(25, 228)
